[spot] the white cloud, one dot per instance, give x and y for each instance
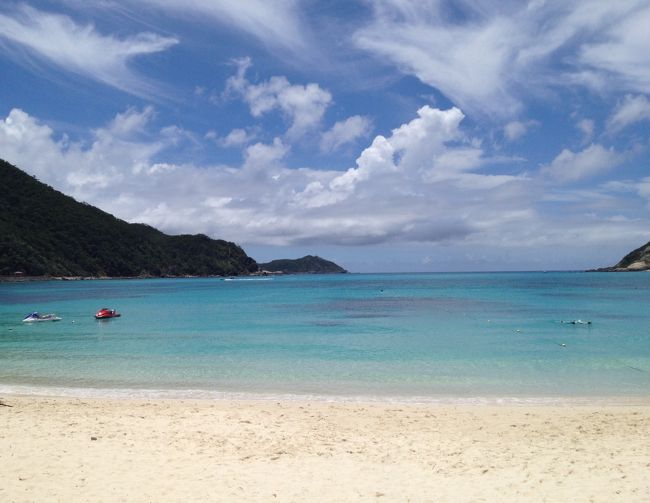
(235, 138)
(644, 188)
(486, 56)
(130, 122)
(467, 63)
(346, 131)
(422, 183)
(277, 23)
(571, 166)
(264, 156)
(621, 51)
(631, 110)
(390, 195)
(57, 40)
(113, 157)
(514, 130)
(587, 127)
(304, 106)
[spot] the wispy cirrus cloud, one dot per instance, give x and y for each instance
(56, 40)
(276, 24)
(487, 57)
(631, 109)
(620, 52)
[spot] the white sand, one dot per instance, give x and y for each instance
(64, 449)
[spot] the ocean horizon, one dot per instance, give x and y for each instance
(513, 337)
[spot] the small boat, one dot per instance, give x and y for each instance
(104, 313)
(577, 322)
(40, 317)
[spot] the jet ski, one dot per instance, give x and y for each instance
(40, 317)
(105, 313)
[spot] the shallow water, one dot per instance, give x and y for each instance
(426, 336)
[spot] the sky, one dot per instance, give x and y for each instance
(386, 135)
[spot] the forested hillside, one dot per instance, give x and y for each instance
(44, 232)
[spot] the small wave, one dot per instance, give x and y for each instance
(248, 279)
(202, 394)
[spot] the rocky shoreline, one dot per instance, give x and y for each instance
(635, 261)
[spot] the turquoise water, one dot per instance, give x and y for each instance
(398, 335)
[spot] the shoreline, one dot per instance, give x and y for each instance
(27, 279)
(90, 449)
(497, 400)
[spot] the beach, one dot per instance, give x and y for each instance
(103, 449)
(378, 387)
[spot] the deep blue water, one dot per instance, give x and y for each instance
(404, 335)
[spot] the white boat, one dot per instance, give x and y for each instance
(40, 317)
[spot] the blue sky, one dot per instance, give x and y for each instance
(388, 135)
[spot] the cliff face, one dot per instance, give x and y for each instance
(637, 260)
(44, 232)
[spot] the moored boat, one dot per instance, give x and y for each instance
(105, 313)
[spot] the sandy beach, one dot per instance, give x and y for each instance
(73, 449)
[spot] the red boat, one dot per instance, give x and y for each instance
(105, 313)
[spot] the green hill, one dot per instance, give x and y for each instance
(305, 265)
(636, 260)
(44, 232)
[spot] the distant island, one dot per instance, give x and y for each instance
(44, 233)
(306, 265)
(636, 260)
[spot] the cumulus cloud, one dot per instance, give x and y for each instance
(304, 106)
(571, 166)
(391, 195)
(58, 41)
(422, 183)
(113, 157)
(265, 156)
(344, 132)
(130, 122)
(235, 138)
(631, 110)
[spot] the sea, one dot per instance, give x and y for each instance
(518, 337)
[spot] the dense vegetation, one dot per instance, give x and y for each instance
(309, 264)
(636, 260)
(44, 232)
